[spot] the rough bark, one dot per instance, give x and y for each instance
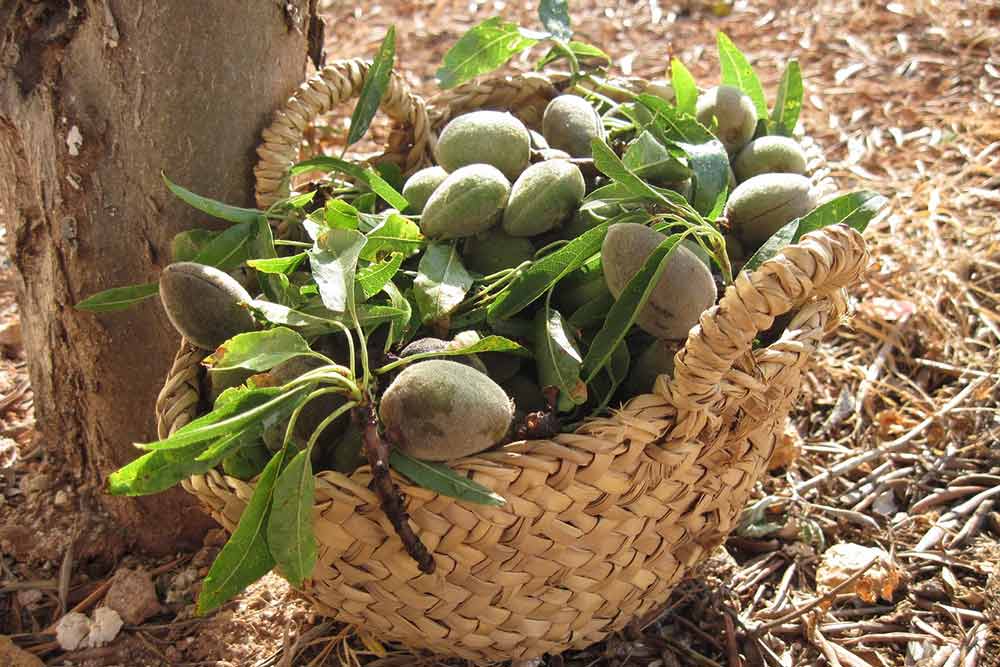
(96, 98)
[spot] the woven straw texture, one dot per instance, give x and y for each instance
(600, 524)
(336, 83)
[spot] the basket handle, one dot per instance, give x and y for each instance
(337, 82)
(821, 263)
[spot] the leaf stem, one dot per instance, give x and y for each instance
(403, 361)
(333, 373)
(364, 350)
(294, 417)
(574, 62)
(605, 84)
(488, 292)
(329, 419)
(502, 282)
(495, 276)
(350, 343)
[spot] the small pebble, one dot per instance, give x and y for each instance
(133, 596)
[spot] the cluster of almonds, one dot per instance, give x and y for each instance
(502, 192)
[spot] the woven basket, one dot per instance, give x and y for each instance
(600, 524)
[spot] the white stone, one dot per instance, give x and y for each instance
(105, 627)
(72, 630)
(74, 139)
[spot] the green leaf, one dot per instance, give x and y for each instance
(719, 207)
(685, 88)
(606, 384)
(441, 283)
(231, 393)
(368, 176)
(247, 461)
(310, 324)
(558, 358)
(592, 313)
(376, 81)
(275, 286)
(627, 306)
(185, 246)
(338, 213)
(737, 72)
(365, 203)
(581, 50)
(613, 193)
(651, 160)
(229, 249)
(487, 344)
(118, 298)
(334, 260)
(300, 200)
(229, 444)
(554, 15)
(772, 246)
(290, 535)
(855, 209)
(282, 315)
(372, 315)
(676, 126)
(788, 103)
(482, 49)
(250, 406)
(369, 222)
(707, 157)
(233, 410)
(611, 166)
(398, 326)
(258, 350)
(212, 207)
(373, 277)
(283, 265)
(547, 271)
(157, 471)
(391, 174)
(245, 558)
(618, 367)
(442, 479)
(393, 234)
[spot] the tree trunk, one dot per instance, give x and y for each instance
(97, 97)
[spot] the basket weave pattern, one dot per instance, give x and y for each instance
(600, 524)
(336, 83)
